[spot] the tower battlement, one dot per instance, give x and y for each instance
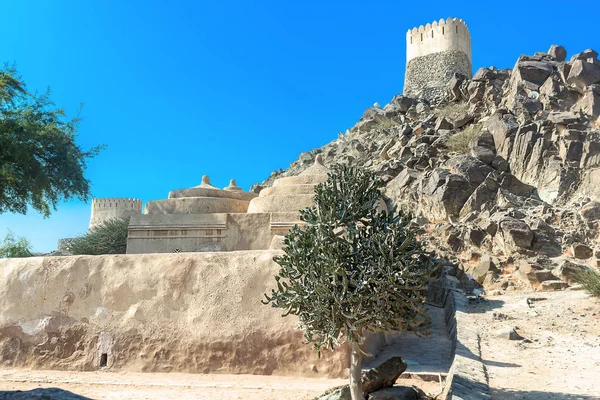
(104, 209)
(442, 35)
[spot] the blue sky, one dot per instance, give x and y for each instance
(235, 89)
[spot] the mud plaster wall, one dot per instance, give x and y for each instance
(188, 312)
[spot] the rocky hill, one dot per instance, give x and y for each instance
(502, 174)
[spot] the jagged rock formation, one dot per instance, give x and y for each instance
(502, 176)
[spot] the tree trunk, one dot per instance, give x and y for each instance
(356, 389)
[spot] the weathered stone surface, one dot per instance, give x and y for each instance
(583, 74)
(381, 377)
(338, 393)
(534, 274)
(508, 334)
(395, 393)
(590, 102)
(384, 375)
(502, 127)
(568, 271)
(581, 251)
(516, 232)
(554, 285)
(443, 123)
(481, 270)
(588, 54)
(558, 52)
(470, 168)
(591, 211)
(451, 196)
(532, 71)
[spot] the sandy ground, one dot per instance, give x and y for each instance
(114, 385)
(560, 356)
(127, 385)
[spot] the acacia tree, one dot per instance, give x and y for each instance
(40, 163)
(110, 237)
(351, 268)
(13, 247)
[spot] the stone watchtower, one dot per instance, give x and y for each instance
(111, 208)
(435, 52)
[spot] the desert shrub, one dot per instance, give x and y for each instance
(590, 280)
(452, 111)
(15, 247)
(387, 123)
(110, 237)
(461, 142)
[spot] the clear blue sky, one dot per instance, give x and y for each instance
(235, 89)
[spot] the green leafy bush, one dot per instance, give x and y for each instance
(110, 237)
(351, 268)
(590, 280)
(13, 247)
(461, 142)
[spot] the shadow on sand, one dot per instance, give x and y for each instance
(41, 394)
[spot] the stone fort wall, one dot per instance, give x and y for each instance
(435, 52)
(105, 209)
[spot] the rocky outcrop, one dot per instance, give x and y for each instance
(377, 382)
(506, 166)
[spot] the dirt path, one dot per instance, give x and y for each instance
(113, 385)
(560, 356)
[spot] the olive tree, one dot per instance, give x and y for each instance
(40, 162)
(351, 268)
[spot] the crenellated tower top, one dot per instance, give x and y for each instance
(104, 209)
(442, 35)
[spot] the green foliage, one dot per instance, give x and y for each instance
(13, 247)
(461, 142)
(110, 237)
(351, 268)
(590, 280)
(40, 163)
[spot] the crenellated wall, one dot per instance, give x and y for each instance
(451, 34)
(104, 209)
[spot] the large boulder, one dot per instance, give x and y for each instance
(396, 393)
(590, 211)
(502, 127)
(581, 251)
(515, 233)
(583, 74)
(379, 377)
(532, 71)
(534, 274)
(486, 265)
(557, 52)
(568, 271)
(472, 169)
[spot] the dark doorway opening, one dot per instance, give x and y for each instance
(103, 360)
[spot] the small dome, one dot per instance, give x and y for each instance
(233, 186)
